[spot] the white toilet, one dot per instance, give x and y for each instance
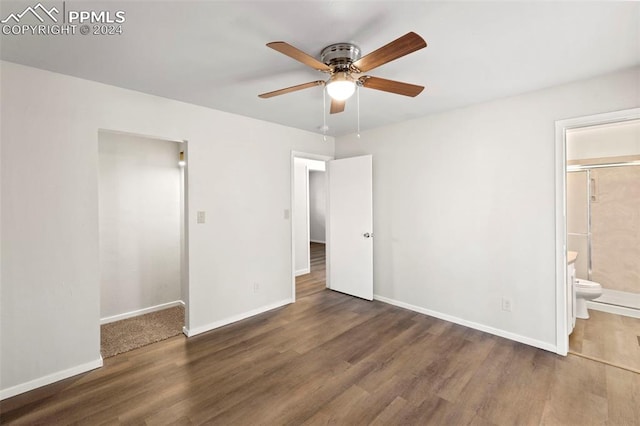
(585, 290)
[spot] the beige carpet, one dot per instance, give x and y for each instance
(123, 336)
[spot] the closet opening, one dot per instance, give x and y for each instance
(143, 240)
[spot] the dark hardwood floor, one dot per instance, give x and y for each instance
(331, 358)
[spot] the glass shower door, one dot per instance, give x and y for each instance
(578, 220)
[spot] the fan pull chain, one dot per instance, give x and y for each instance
(324, 114)
(358, 102)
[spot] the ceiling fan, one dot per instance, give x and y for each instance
(345, 66)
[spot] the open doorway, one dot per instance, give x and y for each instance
(568, 239)
(142, 237)
(309, 206)
(603, 201)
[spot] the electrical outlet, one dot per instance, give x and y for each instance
(256, 287)
(506, 304)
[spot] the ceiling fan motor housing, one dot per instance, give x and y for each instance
(340, 56)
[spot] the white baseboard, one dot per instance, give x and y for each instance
(51, 378)
(487, 329)
(318, 241)
(139, 312)
(303, 271)
(613, 309)
(203, 329)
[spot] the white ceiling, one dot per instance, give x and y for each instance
(213, 53)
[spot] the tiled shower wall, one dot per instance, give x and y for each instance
(615, 225)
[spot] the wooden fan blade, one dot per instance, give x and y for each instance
(298, 55)
(291, 89)
(336, 106)
(398, 48)
(391, 86)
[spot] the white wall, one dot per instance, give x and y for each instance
(301, 216)
(464, 205)
(50, 303)
(317, 205)
(140, 221)
(609, 140)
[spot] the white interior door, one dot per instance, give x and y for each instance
(350, 226)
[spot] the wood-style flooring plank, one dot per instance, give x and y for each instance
(608, 337)
(578, 398)
(623, 396)
(334, 359)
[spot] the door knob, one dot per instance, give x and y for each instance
(367, 235)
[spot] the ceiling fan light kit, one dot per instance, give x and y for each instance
(341, 86)
(344, 64)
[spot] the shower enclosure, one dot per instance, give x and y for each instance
(603, 226)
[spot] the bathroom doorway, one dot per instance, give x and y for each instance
(603, 229)
(142, 237)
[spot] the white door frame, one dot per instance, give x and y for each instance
(307, 156)
(562, 338)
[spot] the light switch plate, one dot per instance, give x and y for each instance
(201, 217)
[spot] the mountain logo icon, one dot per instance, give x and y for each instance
(39, 11)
